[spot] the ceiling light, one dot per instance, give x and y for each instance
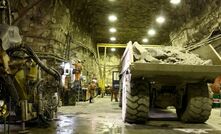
(112, 18)
(151, 32)
(113, 39)
(160, 19)
(112, 0)
(113, 49)
(175, 2)
(112, 30)
(145, 40)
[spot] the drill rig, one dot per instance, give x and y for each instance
(29, 89)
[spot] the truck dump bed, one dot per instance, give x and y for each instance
(174, 71)
(184, 72)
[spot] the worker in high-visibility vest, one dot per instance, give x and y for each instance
(114, 93)
(78, 69)
(216, 85)
(91, 88)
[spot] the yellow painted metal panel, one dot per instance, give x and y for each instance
(122, 45)
(20, 84)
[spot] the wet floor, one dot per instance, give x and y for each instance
(104, 117)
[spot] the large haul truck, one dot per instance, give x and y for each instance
(144, 85)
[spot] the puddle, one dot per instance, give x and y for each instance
(165, 125)
(78, 113)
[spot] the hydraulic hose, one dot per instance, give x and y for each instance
(50, 71)
(31, 53)
(11, 87)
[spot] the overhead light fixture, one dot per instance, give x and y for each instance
(151, 32)
(145, 40)
(112, 0)
(160, 19)
(113, 38)
(113, 30)
(113, 49)
(112, 18)
(175, 2)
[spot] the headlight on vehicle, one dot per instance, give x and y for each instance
(1, 103)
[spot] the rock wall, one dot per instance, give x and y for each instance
(47, 26)
(198, 28)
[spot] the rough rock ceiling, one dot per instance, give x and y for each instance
(135, 17)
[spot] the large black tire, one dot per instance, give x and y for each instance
(198, 110)
(135, 108)
(196, 104)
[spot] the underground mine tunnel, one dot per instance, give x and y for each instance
(110, 66)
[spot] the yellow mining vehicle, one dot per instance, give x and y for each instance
(28, 88)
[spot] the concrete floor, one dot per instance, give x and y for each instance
(104, 117)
